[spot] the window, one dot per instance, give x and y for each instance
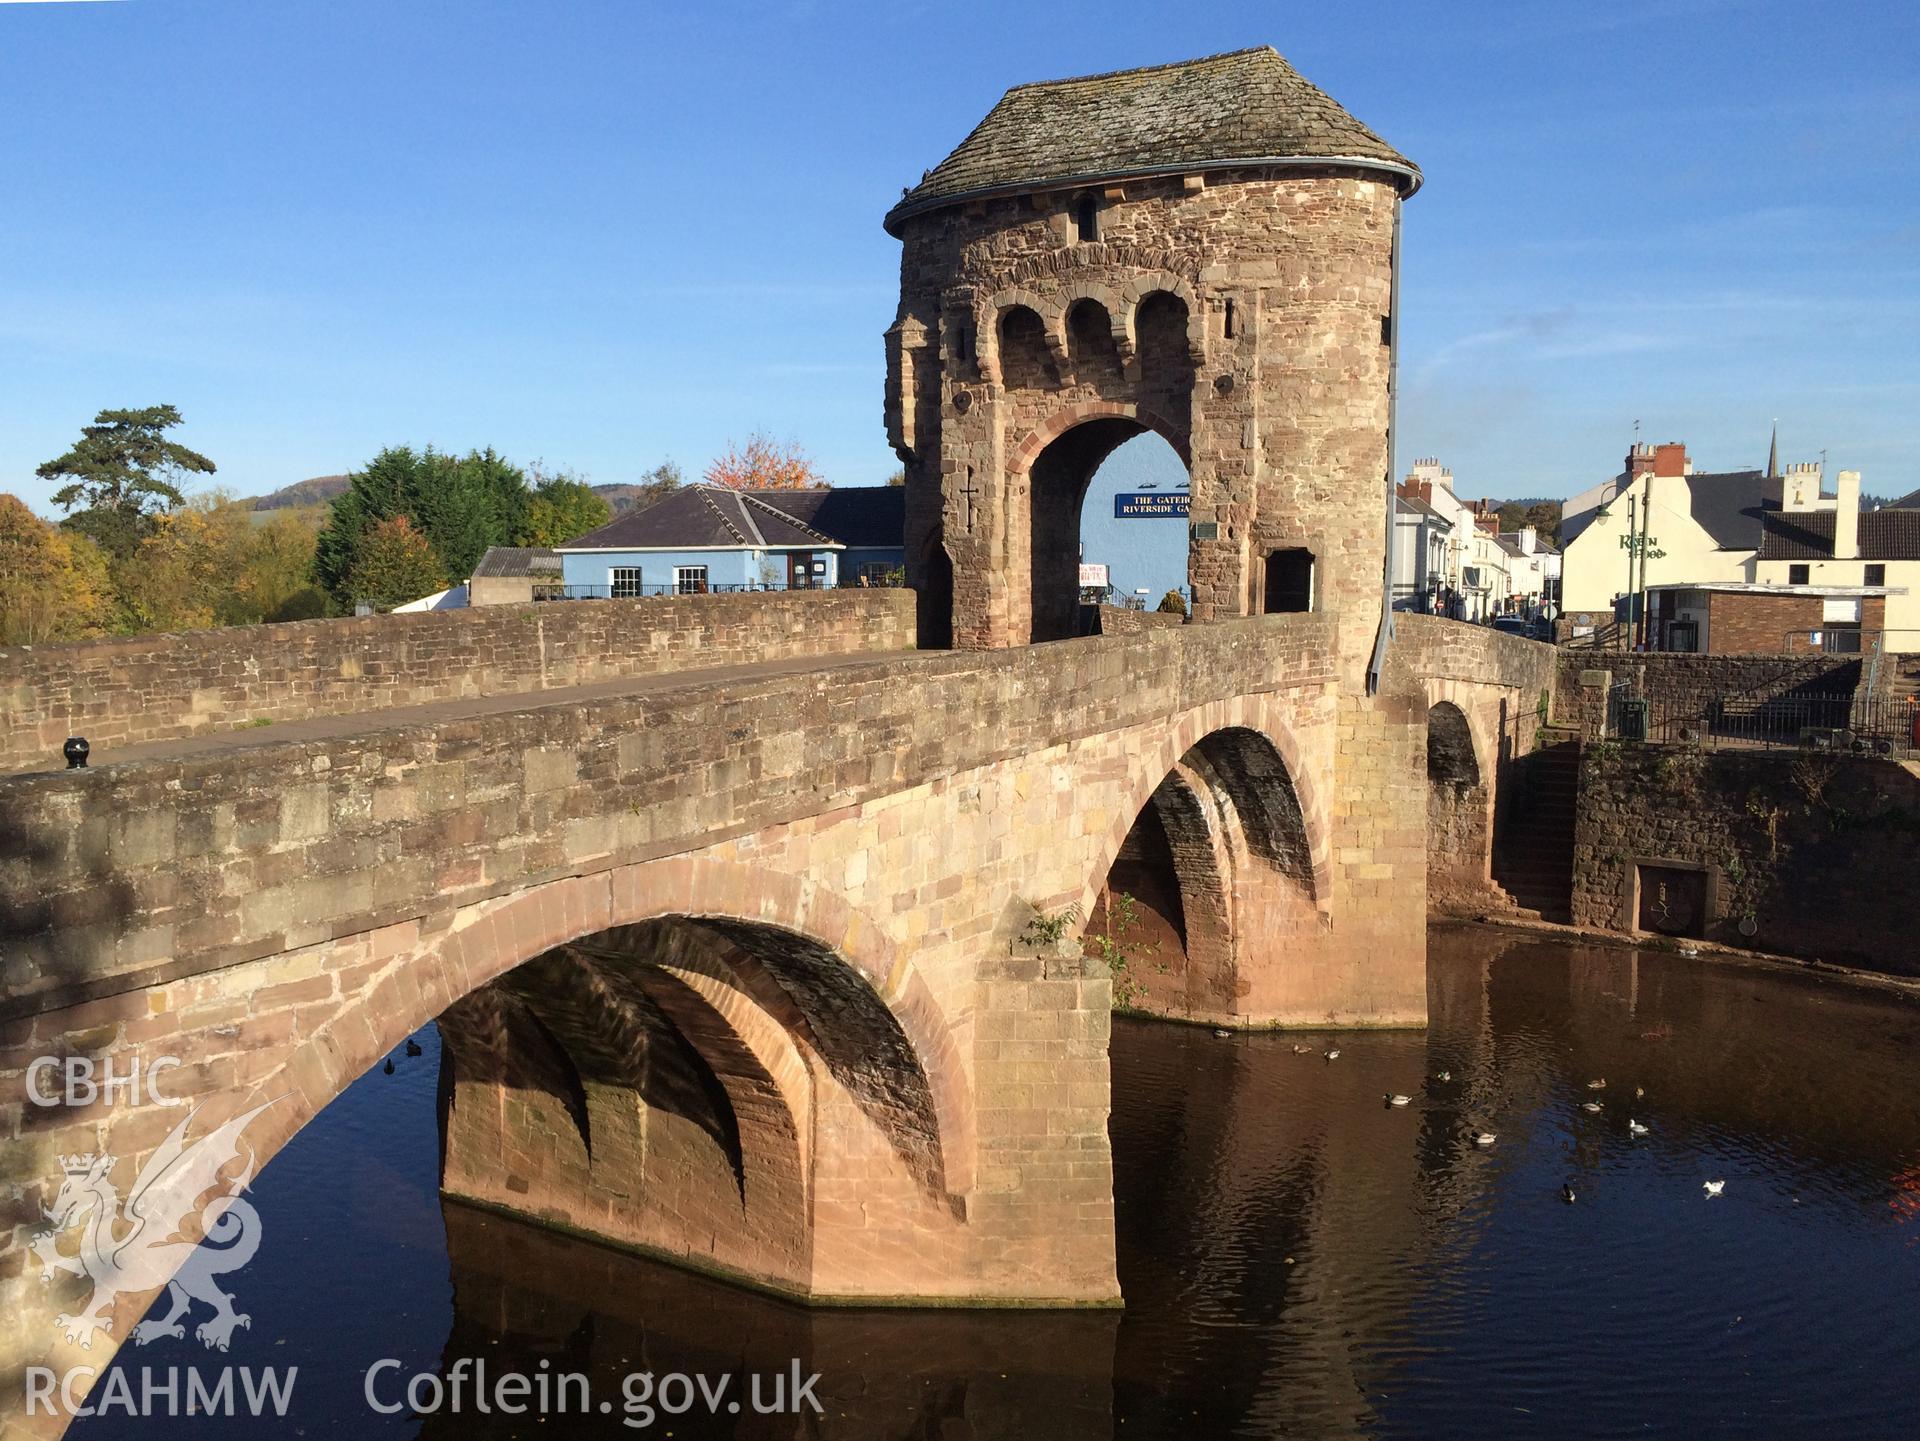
(1230, 320)
(877, 572)
(1798, 574)
(1876, 575)
(690, 579)
(1087, 219)
(1289, 581)
(626, 581)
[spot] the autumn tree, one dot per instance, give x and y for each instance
(764, 464)
(395, 563)
(657, 484)
(121, 474)
(53, 584)
(562, 507)
(275, 574)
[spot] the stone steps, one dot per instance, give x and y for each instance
(1533, 854)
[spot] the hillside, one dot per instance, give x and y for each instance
(321, 490)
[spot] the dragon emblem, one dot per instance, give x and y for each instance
(138, 1247)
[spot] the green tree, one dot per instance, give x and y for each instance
(468, 504)
(561, 508)
(121, 474)
(461, 506)
(395, 564)
(53, 585)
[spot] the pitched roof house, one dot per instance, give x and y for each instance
(710, 537)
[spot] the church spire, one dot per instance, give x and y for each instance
(1773, 453)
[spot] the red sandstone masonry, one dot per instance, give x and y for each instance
(108, 873)
(164, 687)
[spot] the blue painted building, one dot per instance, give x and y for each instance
(713, 538)
(1144, 545)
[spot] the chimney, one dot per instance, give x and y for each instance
(1671, 459)
(1529, 540)
(1800, 488)
(1846, 517)
(1639, 460)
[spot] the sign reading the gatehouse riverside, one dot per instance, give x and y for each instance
(1150, 505)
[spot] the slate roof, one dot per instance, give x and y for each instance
(1728, 505)
(715, 517)
(517, 560)
(1885, 534)
(1420, 507)
(1246, 107)
(1905, 502)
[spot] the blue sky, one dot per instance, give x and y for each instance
(602, 233)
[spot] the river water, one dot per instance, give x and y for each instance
(1299, 1259)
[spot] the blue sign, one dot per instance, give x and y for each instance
(1150, 505)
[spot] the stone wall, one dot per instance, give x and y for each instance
(1813, 851)
(163, 687)
(1124, 620)
(254, 850)
(1020, 356)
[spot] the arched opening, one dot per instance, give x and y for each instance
(709, 1056)
(1133, 524)
(1289, 581)
(1090, 343)
(1024, 361)
(933, 612)
(1060, 496)
(1212, 884)
(690, 1083)
(1459, 809)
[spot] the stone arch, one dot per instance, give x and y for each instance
(1142, 288)
(1183, 733)
(1461, 791)
(1452, 755)
(1028, 353)
(1092, 338)
(1144, 417)
(1044, 523)
(496, 938)
(1212, 879)
(990, 319)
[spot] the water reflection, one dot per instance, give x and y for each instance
(1298, 1258)
(523, 1296)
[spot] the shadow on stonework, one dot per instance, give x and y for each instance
(526, 1300)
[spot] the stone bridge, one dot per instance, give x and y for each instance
(779, 974)
(756, 939)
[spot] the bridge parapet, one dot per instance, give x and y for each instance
(124, 875)
(164, 687)
(1433, 647)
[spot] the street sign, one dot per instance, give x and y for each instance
(1150, 505)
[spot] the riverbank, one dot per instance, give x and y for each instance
(1907, 987)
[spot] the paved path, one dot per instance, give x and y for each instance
(328, 727)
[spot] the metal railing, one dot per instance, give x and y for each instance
(637, 592)
(1854, 721)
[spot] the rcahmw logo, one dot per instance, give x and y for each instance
(138, 1245)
